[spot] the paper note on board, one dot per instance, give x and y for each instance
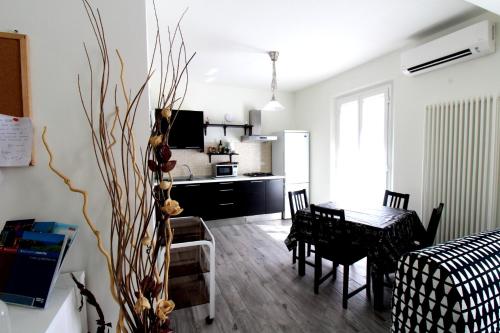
(16, 141)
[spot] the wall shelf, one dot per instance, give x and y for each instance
(227, 154)
(225, 126)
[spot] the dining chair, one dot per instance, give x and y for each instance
(432, 227)
(340, 249)
(298, 200)
(395, 199)
(426, 241)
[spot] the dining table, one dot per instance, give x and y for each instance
(386, 233)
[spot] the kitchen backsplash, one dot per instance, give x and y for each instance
(253, 157)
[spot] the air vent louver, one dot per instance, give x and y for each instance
(442, 60)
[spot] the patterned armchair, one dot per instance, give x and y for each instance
(451, 287)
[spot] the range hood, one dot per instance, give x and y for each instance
(254, 117)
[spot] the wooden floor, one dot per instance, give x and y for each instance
(259, 290)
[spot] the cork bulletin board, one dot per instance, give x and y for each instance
(14, 76)
(15, 98)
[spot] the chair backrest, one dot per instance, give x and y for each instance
(327, 221)
(433, 224)
(298, 200)
(395, 199)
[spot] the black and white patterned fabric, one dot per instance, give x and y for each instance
(451, 287)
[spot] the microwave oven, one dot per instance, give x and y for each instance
(226, 170)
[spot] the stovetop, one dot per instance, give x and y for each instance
(258, 174)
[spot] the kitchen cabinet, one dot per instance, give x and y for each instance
(274, 196)
(253, 197)
(191, 198)
(227, 198)
(223, 200)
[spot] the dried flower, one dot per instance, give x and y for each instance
(166, 112)
(165, 153)
(150, 287)
(169, 166)
(152, 165)
(171, 207)
(156, 140)
(164, 185)
(141, 304)
(164, 308)
(146, 240)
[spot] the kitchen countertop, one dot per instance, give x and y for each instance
(210, 179)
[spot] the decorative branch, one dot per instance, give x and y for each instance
(134, 177)
(84, 292)
(91, 224)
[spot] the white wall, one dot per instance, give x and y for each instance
(314, 109)
(217, 100)
(56, 30)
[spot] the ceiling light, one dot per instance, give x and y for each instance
(273, 105)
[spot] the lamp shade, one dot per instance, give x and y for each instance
(273, 105)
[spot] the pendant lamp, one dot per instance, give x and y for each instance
(273, 104)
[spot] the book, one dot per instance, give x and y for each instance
(69, 230)
(13, 231)
(9, 243)
(38, 254)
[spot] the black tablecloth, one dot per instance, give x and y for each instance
(451, 287)
(386, 232)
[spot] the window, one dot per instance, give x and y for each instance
(363, 139)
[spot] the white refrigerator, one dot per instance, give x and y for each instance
(290, 158)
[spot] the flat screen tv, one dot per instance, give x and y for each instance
(187, 131)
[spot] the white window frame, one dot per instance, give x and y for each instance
(358, 95)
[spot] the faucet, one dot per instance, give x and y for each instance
(189, 170)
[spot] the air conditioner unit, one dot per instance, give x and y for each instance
(469, 43)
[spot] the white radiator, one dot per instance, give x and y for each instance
(461, 166)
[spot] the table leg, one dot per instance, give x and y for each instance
(378, 291)
(302, 258)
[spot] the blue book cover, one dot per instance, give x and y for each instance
(46, 227)
(69, 230)
(39, 254)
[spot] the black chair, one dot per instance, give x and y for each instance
(298, 200)
(340, 250)
(395, 199)
(432, 227)
(425, 240)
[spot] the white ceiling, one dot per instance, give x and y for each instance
(490, 5)
(316, 39)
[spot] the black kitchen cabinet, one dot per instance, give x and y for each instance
(225, 199)
(191, 198)
(252, 197)
(274, 196)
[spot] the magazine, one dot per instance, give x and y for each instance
(69, 230)
(38, 254)
(13, 231)
(28, 249)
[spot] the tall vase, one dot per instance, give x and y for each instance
(4, 318)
